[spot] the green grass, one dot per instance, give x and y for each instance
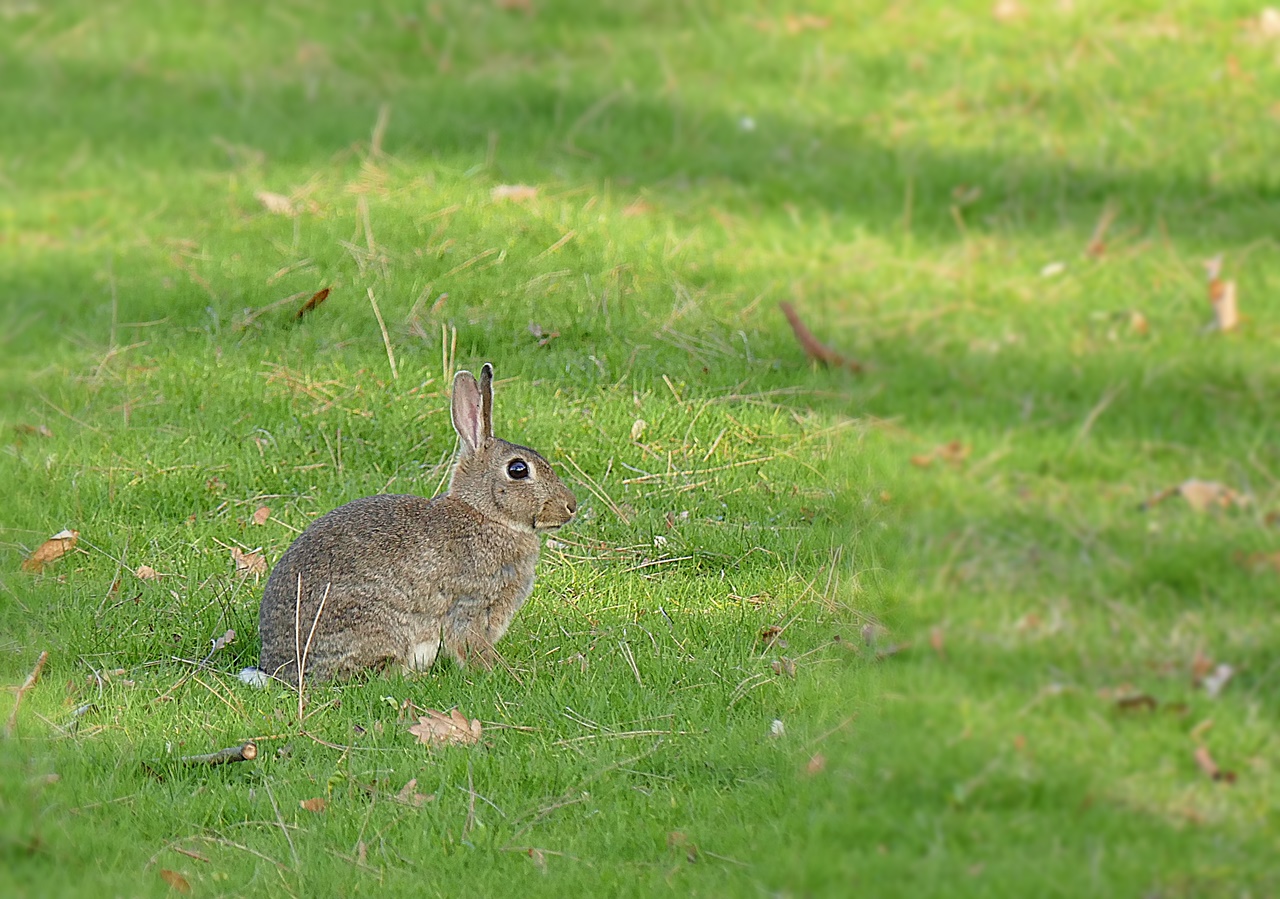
(903, 174)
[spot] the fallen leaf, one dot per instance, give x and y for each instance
(539, 858)
(261, 514)
(1007, 10)
(953, 453)
(637, 428)
(317, 805)
(637, 206)
(1269, 23)
(1215, 681)
(771, 634)
(1222, 294)
(437, 728)
(276, 204)
(777, 728)
(1200, 495)
(1201, 665)
(51, 550)
(175, 880)
(937, 641)
(1138, 323)
(516, 193)
(1136, 702)
(408, 795)
(146, 573)
(316, 299)
(817, 764)
(38, 430)
(1257, 562)
(252, 562)
(1205, 760)
(785, 666)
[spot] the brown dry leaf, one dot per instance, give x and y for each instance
(937, 641)
(252, 562)
(771, 634)
(1258, 562)
(1136, 702)
(516, 193)
(1205, 760)
(261, 514)
(538, 856)
(317, 805)
(1222, 294)
(817, 764)
(146, 573)
(1201, 665)
(276, 204)
(785, 666)
(175, 880)
(38, 430)
(953, 453)
(51, 550)
(438, 729)
(1269, 23)
(408, 795)
(1200, 495)
(1138, 323)
(1007, 10)
(316, 299)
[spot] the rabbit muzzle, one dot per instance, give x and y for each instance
(556, 512)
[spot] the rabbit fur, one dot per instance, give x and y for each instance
(389, 580)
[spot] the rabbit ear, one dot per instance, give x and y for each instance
(486, 401)
(468, 411)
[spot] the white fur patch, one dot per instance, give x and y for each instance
(254, 677)
(422, 656)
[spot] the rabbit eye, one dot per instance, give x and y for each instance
(518, 469)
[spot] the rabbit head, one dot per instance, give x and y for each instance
(502, 481)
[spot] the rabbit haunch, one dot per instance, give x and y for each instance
(390, 580)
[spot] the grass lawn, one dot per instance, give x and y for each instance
(986, 668)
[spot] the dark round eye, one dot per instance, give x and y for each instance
(518, 469)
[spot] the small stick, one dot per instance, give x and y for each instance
(812, 347)
(245, 752)
(26, 685)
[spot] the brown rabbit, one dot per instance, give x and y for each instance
(388, 580)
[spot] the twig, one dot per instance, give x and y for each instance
(22, 691)
(386, 340)
(245, 752)
(812, 347)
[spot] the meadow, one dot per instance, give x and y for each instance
(992, 610)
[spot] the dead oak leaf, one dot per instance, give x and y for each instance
(409, 795)
(51, 550)
(175, 880)
(251, 562)
(438, 729)
(261, 514)
(317, 805)
(276, 204)
(146, 573)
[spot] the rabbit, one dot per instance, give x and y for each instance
(389, 580)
